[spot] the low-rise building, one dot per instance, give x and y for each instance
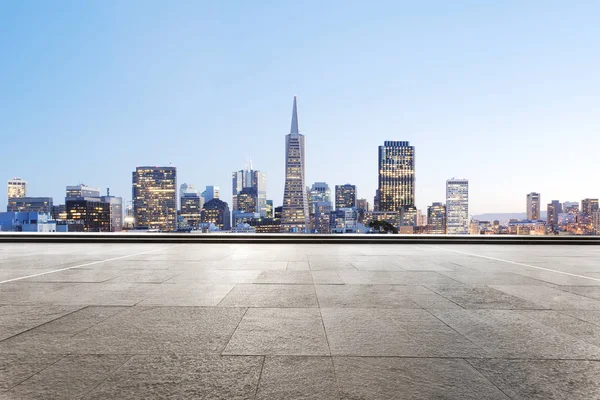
(24, 221)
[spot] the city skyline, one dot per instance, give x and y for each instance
(164, 86)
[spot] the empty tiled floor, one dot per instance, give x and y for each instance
(268, 321)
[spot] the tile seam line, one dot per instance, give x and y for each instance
(466, 360)
(109, 375)
(514, 263)
(86, 264)
(61, 357)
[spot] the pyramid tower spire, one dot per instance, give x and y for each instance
(294, 129)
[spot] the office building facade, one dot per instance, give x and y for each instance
(30, 204)
(295, 215)
(345, 196)
(396, 187)
(553, 209)
(457, 207)
(250, 179)
(533, 206)
(436, 218)
(155, 198)
(16, 187)
(211, 192)
(217, 212)
(92, 213)
(589, 207)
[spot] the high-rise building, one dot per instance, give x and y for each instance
(596, 222)
(589, 206)
(17, 187)
(247, 201)
(552, 210)
(191, 209)
(295, 216)
(457, 206)
(436, 218)
(362, 206)
(115, 205)
(30, 204)
(322, 212)
(345, 196)
(91, 213)
(396, 176)
(211, 192)
(81, 190)
(270, 209)
(216, 212)
(155, 198)
(255, 180)
(343, 220)
(319, 191)
(533, 206)
(571, 207)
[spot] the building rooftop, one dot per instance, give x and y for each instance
(286, 321)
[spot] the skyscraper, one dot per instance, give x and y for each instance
(396, 176)
(533, 206)
(216, 212)
(345, 196)
(17, 187)
(295, 216)
(211, 192)
(552, 211)
(457, 206)
(155, 198)
(81, 190)
(250, 179)
(436, 218)
(589, 207)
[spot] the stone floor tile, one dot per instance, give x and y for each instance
(298, 266)
(393, 332)
(543, 379)
(296, 377)
(270, 296)
(70, 378)
(411, 378)
(509, 334)
(326, 278)
(199, 295)
(16, 368)
(364, 296)
(17, 319)
(550, 298)
(276, 331)
(182, 377)
(285, 277)
(482, 297)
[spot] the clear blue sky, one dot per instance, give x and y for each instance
(505, 93)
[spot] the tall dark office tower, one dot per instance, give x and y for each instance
(155, 198)
(436, 218)
(553, 209)
(250, 179)
(216, 211)
(345, 196)
(396, 176)
(589, 207)
(533, 206)
(295, 216)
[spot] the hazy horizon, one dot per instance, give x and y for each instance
(504, 94)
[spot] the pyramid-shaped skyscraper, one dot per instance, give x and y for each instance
(294, 216)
